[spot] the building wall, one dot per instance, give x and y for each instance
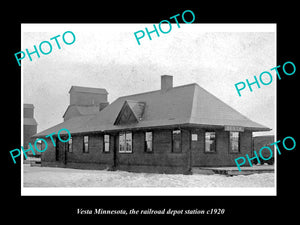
(222, 156)
(29, 126)
(28, 131)
(264, 141)
(95, 154)
(49, 154)
(261, 141)
(28, 112)
(162, 159)
(96, 158)
(80, 98)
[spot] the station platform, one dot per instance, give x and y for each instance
(231, 171)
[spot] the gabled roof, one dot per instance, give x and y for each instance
(131, 112)
(137, 108)
(182, 105)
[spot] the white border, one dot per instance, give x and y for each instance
(137, 191)
(113, 191)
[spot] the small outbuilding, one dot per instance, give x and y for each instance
(170, 130)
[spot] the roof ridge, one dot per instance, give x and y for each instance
(194, 102)
(147, 92)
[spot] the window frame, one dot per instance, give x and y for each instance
(194, 134)
(180, 144)
(126, 142)
(70, 145)
(215, 142)
(146, 142)
(84, 149)
(238, 141)
(104, 143)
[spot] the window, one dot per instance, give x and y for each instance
(85, 144)
(148, 142)
(210, 141)
(122, 142)
(125, 142)
(194, 137)
(176, 141)
(106, 142)
(234, 142)
(128, 141)
(70, 146)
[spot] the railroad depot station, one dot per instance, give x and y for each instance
(171, 130)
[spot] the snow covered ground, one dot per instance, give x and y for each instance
(63, 177)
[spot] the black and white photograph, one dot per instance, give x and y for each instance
(107, 108)
(149, 111)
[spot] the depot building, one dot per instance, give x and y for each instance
(171, 130)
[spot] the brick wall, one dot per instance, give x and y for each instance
(162, 159)
(222, 156)
(28, 131)
(96, 155)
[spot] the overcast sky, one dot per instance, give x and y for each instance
(108, 56)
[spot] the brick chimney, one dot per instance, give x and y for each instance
(166, 83)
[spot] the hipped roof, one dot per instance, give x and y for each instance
(88, 90)
(183, 105)
(83, 109)
(27, 105)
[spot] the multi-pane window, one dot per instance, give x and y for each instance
(176, 141)
(128, 141)
(85, 144)
(106, 142)
(70, 146)
(125, 142)
(122, 142)
(234, 141)
(210, 141)
(148, 142)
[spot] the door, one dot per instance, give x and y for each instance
(61, 151)
(65, 151)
